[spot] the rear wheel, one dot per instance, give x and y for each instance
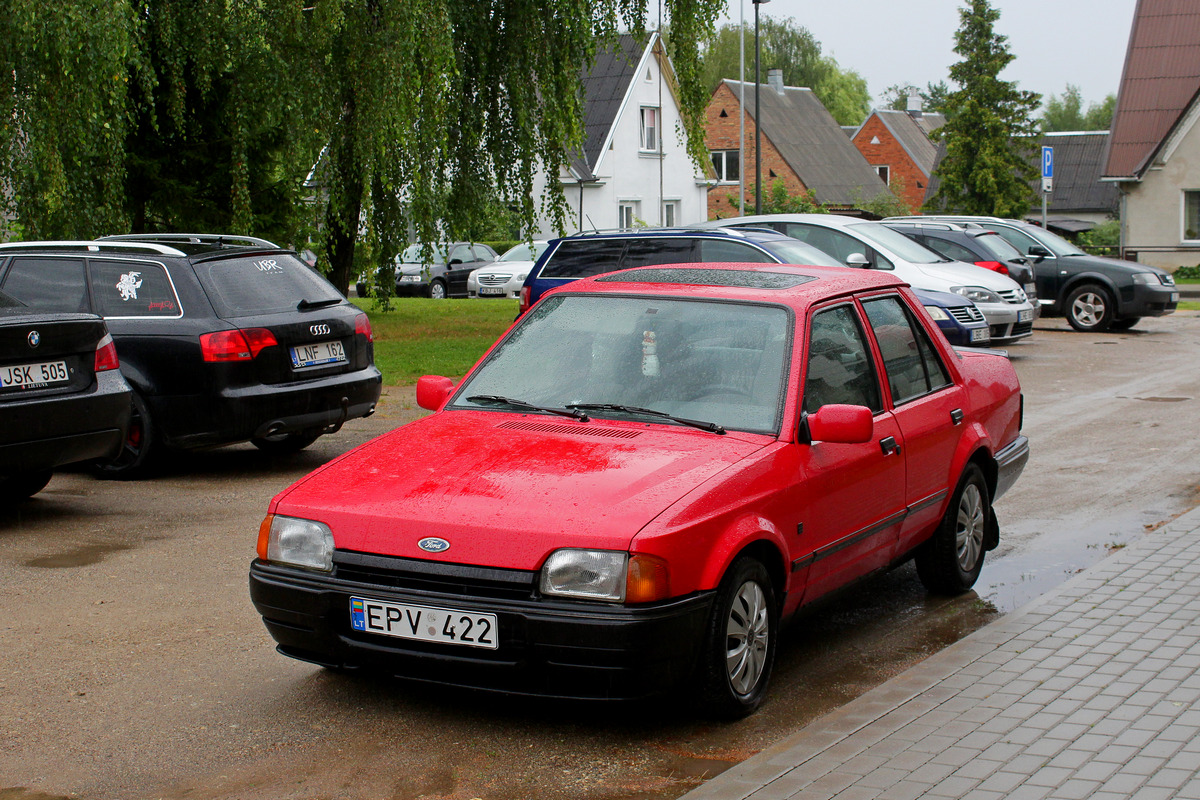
(950, 562)
(137, 453)
(437, 290)
(283, 444)
(1090, 308)
(20, 487)
(739, 648)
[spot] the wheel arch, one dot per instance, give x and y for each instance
(1075, 281)
(756, 538)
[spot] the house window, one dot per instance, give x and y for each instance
(649, 128)
(627, 215)
(1191, 215)
(727, 165)
(670, 215)
(883, 173)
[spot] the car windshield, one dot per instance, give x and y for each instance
(716, 362)
(1052, 241)
(797, 252)
(994, 243)
(523, 252)
(263, 284)
(414, 254)
(896, 243)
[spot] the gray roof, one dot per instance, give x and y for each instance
(1079, 160)
(604, 88)
(813, 144)
(912, 136)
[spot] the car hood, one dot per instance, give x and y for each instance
(960, 273)
(506, 489)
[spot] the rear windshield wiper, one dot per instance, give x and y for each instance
(508, 401)
(305, 305)
(695, 423)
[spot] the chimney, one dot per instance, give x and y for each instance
(914, 106)
(775, 79)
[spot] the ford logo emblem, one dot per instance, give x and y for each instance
(318, 330)
(433, 544)
(34, 338)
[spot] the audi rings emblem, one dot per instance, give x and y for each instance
(433, 544)
(34, 338)
(318, 330)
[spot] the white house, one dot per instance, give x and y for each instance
(634, 170)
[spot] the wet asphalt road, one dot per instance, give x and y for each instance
(135, 667)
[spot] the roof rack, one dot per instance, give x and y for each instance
(95, 247)
(687, 230)
(218, 239)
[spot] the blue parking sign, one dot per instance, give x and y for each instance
(1047, 162)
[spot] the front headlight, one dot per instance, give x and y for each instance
(937, 314)
(522, 277)
(1145, 277)
(977, 294)
(585, 574)
(296, 542)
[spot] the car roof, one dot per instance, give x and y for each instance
(829, 220)
(753, 234)
(790, 284)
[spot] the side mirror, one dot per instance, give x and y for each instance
(839, 424)
(1038, 252)
(857, 260)
(433, 391)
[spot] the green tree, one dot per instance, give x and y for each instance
(777, 200)
(933, 96)
(989, 133)
(787, 46)
(1066, 113)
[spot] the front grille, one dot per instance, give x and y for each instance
(1021, 328)
(1013, 296)
(966, 314)
(492, 280)
(434, 577)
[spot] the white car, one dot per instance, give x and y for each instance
(505, 276)
(859, 243)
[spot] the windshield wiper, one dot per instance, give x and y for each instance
(570, 411)
(695, 423)
(305, 305)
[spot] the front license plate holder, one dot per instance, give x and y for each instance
(1025, 316)
(981, 335)
(424, 623)
(492, 290)
(318, 354)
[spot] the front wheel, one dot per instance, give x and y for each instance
(437, 290)
(141, 444)
(1090, 309)
(739, 648)
(950, 562)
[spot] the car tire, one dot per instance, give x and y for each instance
(950, 562)
(437, 290)
(138, 450)
(21, 487)
(740, 642)
(1125, 323)
(1090, 308)
(285, 444)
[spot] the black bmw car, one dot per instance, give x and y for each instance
(62, 397)
(223, 339)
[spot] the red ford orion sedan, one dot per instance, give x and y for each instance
(641, 479)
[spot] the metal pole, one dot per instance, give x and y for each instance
(757, 123)
(741, 109)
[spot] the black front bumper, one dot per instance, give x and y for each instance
(1148, 300)
(546, 648)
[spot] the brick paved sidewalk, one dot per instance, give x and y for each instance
(1092, 691)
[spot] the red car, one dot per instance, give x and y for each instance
(641, 479)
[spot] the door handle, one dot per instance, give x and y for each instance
(889, 446)
(957, 416)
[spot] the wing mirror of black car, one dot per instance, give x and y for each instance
(840, 424)
(857, 260)
(433, 391)
(1038, 252)
(454, 261)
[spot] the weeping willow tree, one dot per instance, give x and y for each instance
(371, 119)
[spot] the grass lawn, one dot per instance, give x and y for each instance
(434, 337)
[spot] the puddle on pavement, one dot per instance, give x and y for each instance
(21, 793)
(82, 556)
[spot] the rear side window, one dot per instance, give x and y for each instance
(132, 289)
(584, 258)
(50, 284)
(909, 358)
(262, 284)
(951, 250)
(717, 251)
(662, 250)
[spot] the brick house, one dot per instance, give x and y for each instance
(802, 145)
(897, 146)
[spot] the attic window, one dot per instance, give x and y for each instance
(875, 140)
(771, 173)
(649, 77)
(724, 113)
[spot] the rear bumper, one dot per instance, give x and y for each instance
(46, 432)
(1010, 462)
(238, 414)
(550, 649)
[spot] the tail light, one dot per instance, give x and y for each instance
(236, 345)
(106, 354)
(363, 325)
(994, 266)
(524, 302)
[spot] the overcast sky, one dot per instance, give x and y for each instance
(1056, 42)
